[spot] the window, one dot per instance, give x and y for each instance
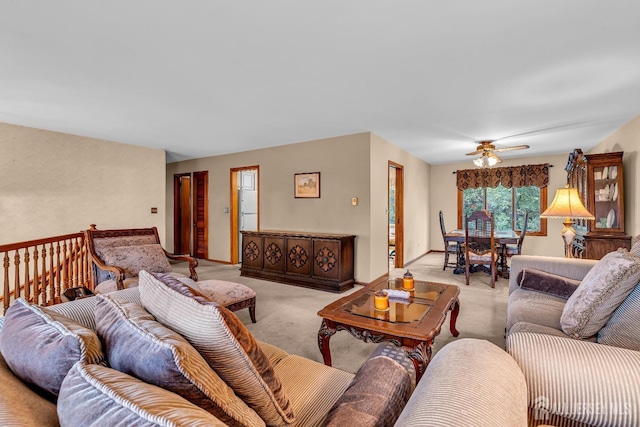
(508, 206)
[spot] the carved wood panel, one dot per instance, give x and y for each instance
(299, 256)
(326, 255)
(274, 253)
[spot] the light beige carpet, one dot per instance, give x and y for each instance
(287, 315)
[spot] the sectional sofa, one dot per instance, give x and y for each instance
(161, 355)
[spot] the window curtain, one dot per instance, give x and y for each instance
(514, 176)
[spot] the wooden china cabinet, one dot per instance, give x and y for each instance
(599, 179)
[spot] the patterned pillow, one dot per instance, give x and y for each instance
(223, 341)
(600, 293)
(40, 347)
(95, 396)
(376, 396)
(132, 259)
(128, 331)
(623, 329)
(635, 249)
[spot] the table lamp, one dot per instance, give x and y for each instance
(567, 204)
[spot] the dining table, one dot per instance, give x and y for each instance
(501, 237)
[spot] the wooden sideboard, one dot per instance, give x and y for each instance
(313, 260)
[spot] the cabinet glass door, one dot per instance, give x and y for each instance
(607, 197)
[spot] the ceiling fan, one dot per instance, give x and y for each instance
(488, 152)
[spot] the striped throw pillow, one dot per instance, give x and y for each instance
(41, 348)
(128, 331)
(223, 341)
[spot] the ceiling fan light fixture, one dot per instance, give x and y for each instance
(486, 160)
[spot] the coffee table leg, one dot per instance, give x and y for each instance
(455, 310)
(327, 329)
(420, 355)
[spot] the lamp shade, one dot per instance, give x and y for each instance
(567, 204)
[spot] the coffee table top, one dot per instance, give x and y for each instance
(418, 317)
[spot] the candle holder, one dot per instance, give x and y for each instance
(407, 281)
(381, 301)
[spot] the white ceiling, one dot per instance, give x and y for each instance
(202, 78)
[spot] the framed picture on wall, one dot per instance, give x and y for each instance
(307, 185)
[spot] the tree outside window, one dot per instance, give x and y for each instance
(508, 206)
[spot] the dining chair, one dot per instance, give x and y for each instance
(480, 247)
(449, 247)
(516, 249)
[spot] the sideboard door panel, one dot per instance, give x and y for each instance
(252, 255)
(326, 254)
(299, 256)
(274, 253)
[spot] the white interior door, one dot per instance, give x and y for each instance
(248, 204)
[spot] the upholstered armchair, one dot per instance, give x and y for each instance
(118, 256)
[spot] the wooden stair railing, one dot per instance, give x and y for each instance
(49, 266)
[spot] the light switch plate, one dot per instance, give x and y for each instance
(354, 201)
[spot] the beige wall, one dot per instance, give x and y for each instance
(416, 203)
(444, 196)
(344, 173)
(54, 183)
(627, 139)
(350, 166)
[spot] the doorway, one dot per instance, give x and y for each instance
(396, 215)
(245, 209)
(191, 214)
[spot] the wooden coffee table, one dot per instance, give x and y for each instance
(411, 324)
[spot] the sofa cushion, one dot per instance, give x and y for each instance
(375, 397)
(313, 388)
(549, 283)
(534, 307)
(40, 347)
(83, 310)
(20, 405)
(93, 395)
(128, 331)
(600, 293)
(469, 382)
(222, 339)
(623, 329)
(132, 259)
(571, 382)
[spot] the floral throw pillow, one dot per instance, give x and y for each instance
(600, 293)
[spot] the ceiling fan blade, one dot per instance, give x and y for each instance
(514, 147)
(547, 129)
(495, 156)
(475, 152)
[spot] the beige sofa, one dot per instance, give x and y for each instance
(469, 382)
(588, 379)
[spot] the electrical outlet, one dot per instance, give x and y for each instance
(354, 201)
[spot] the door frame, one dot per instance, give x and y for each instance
(177, 207)
(233, 207)
(398, 261)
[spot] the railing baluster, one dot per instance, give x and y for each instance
(16, 277)
(56, 263)
(51, 275)
(58, 275)
(27, 289)
(43, 284)
(7, 294)
(36, 277)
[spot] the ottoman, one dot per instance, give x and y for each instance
(234, 296)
